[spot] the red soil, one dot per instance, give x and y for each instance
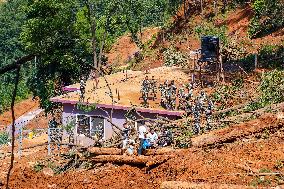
(227, 164)
(20, 109)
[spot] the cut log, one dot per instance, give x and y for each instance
(230, 134)
(121, 159)
(104, 151)
(159, 151)
(145, 161)
(190, 185)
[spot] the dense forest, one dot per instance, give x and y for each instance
(65, 37)
(63, 34)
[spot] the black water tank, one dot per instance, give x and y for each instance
(209, 48)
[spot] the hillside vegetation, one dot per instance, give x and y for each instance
(48, 44)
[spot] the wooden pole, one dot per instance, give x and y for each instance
(255, 61)
(200, 75)
(221, 69)
(201, 6)
(215, 8)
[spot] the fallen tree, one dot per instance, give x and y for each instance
(145, 161)
(159, 151)
(104, 151)
(232, 133)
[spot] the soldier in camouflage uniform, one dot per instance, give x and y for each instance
(208, 114)
(171, 95)
(202, 100)
(82, 89)
(153, 86)
(189, 99)
(145, 90)
(196, 109)
(190, 90)
(163, 89)
(181, 97)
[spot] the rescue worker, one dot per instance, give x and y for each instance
(142, 137)
(171, 95)
(153, 86)
(196, 110)
(125, 135)
(182, 100)
(145, 90)
(208, 114)
(163, 89)
(82, 89)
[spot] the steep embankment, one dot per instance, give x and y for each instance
(20, 109)
(183, 37)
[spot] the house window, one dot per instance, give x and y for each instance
(83, 125)
(91, 126)
(97, 127)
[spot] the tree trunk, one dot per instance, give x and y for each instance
(13, 125)
(103, 43)
(145, 161)
(93, 23)
(184, 9)
(104, 151)
(94, 43)
(232, 133)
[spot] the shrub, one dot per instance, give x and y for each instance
(4, 138)
(268, 17)
(271, 90)
(272, 87)
(269, 56)
(174, 58)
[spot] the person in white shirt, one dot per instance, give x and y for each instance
(152, 136)
(141, 134)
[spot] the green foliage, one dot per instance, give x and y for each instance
(279, 164)
(86, 107)
(4, 138)
(50, 32)
(38, 167)
(272, 87)
(261, 181)
(12, 18)
(269, 56)
(271, 90)
(143, 13)
(173, 57)
(60, 33)
(268, 17)
(225, 93)
(207, 28)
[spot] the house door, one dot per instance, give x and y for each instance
(97, 128)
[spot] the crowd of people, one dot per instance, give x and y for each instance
(149, 89)
(183, 98)
(148, 139)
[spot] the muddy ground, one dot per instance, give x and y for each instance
(242, 162)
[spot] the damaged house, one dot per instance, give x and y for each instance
(125, 87)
